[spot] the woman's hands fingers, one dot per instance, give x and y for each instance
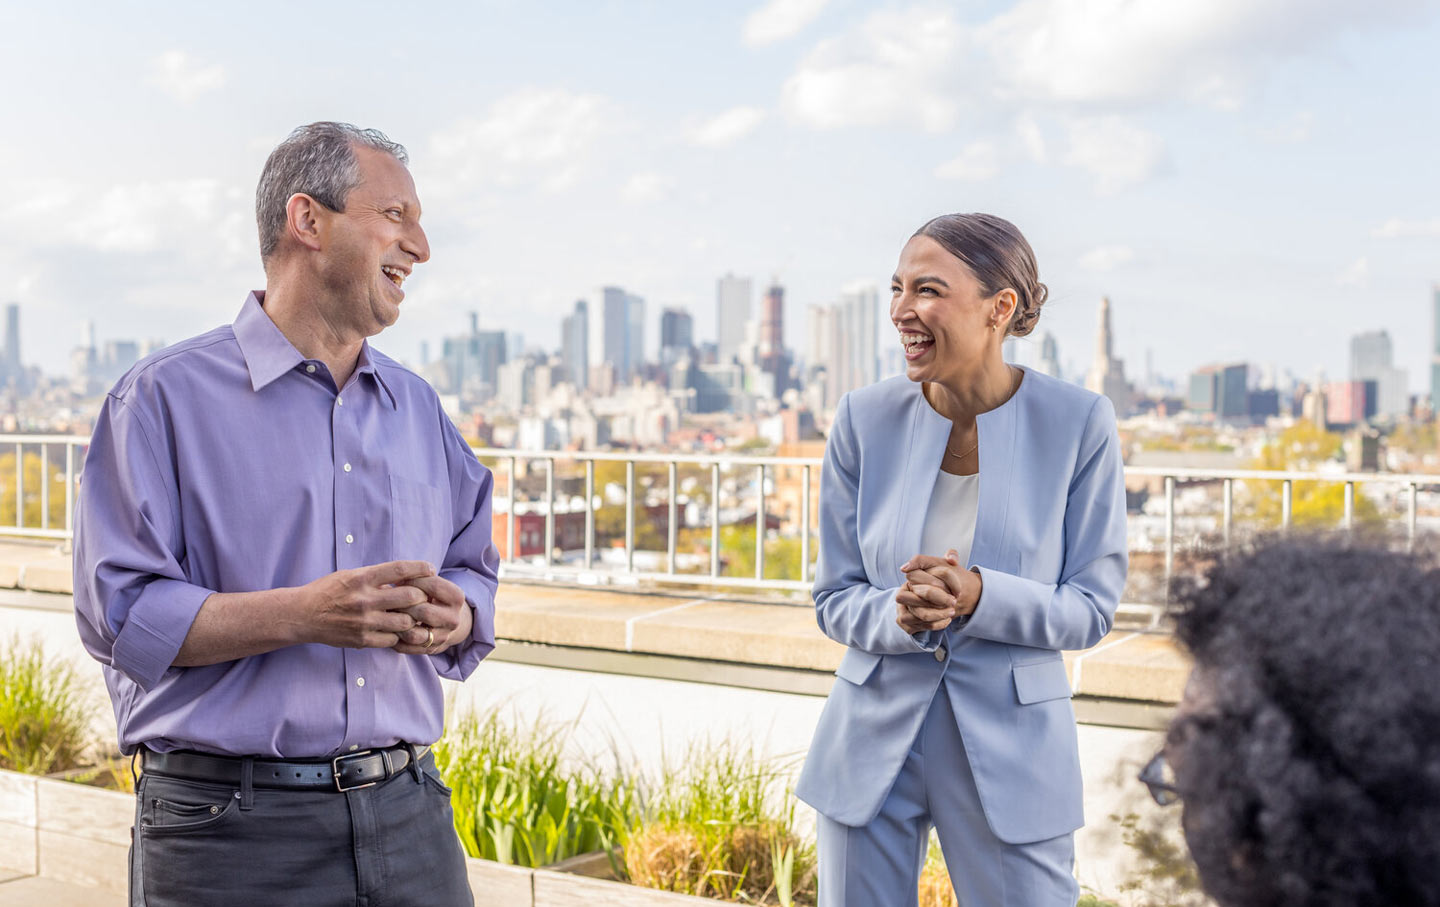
(925, 607)
(925, 572)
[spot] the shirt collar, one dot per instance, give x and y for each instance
(269, 353)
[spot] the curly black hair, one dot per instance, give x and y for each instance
(1307, 753)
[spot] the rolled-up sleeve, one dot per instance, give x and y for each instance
(471, 562)
(1077, 612)
(133, 603)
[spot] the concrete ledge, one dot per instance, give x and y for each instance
(763, 644)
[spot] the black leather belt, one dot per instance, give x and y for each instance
(351, 771)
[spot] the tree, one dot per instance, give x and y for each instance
(1302, 446)
(32, 481)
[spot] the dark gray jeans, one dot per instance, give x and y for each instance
(392, 845)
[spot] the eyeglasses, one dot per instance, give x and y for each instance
(1160, 779)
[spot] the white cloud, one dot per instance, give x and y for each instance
(897, 67)
(1032, 139)
(1292, 131)
(780, 19)
(1357, 275)
(726, 128)
(1106, 258)
(1115, 151)
(183, 77)
(645, 188)
(1206, 51)
(540, 136)
(1400, 228)
(976, 161)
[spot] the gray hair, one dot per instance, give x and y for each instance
(318, 160)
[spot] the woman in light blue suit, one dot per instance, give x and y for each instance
(952, 707)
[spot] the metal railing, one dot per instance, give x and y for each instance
(586, 567)
(40, 455)
(35, 516)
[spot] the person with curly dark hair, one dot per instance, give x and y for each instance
(1306, 750)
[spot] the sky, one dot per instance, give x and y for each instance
(1245, 179)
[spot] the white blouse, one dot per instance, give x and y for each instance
(950, 519)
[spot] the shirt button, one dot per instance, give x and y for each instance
(359, 681)
(339, 401)
(310, 369)
(354, 747)
(940, 654)
(347, 467)
(349, 539)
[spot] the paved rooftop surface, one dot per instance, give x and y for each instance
(1127, 665)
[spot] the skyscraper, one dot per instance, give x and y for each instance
(773, 359)
(1107, 374)
(1049, 356)
(854, 358)
(574, 346)
(616, 338)
(732, 310)
(12, 368)
(1372, 359)
(1435, 354)
(677, 329)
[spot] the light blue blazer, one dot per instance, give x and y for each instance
(1051, 549)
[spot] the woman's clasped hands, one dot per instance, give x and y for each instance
(936, 591)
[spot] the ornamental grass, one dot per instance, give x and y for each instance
(44, 714)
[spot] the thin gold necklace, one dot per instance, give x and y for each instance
(961, 456)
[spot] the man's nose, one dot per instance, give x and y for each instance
(417, 244)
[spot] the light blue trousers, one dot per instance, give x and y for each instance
(878, 865)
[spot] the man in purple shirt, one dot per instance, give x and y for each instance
(282, 544)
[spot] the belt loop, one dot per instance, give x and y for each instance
(247, 782)
(414, 762)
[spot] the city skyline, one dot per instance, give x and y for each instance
(1233, 176)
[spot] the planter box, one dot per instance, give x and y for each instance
(559, 889)
(80, 834)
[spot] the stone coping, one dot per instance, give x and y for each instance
(1126, 665)
(69, 833)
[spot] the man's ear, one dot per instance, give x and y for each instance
(307, 221)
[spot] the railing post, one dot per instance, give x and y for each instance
(549, 509)
(69, 484)
(629, 516)
(510, 517)
(45, 486)
(589, 514)
(1169, 533)
(805, 525)
(19, 485)
(760, 521)
(1229, 498)
(714, 519)
(670, 542)
(1410, 514)
(1349, 506)
(1286, 494)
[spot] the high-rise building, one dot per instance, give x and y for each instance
(574, 346)
(677, 329)
(1107, 373)
(12, 366)
(1350, 402)
(853, 355)
(635, 343)
(1049, 356)
(772, 357)
(1372, 359)
(472, 361)
(617, 336)
(1221, 390)
(732, 310)
(1435, 351)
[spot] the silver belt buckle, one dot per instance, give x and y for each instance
(335, 771)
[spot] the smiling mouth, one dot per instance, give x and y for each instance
(916, 343)
(396, 275)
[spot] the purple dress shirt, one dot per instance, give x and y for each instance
(229, 463)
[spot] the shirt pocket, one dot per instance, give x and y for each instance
(1041, 681)
(419, 521)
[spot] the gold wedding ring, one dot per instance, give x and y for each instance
(429, 637)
